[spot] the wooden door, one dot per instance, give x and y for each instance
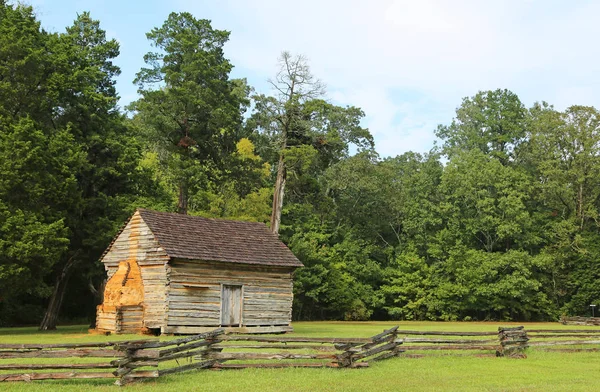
(231, 305)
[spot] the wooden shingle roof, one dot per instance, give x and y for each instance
(197, 238)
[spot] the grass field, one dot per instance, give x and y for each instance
(541, 371)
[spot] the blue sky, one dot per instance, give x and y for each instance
(406, 63)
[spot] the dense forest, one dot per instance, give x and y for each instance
(500, 221)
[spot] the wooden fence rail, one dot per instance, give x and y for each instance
(448, 341)
(321, 352)
(76, 350)
(565, 339)
(147, 359)
(580, 320)
(129, 361)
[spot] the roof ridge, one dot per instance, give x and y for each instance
(186, 216)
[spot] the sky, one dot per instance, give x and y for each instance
(406, 63)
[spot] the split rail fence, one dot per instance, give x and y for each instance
(580, 321)
(140, 360)
(419, 342)
(129, 361)
(564, 339)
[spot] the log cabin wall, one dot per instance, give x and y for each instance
(196, 290)
(150, 258)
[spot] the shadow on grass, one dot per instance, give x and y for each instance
(61, 330)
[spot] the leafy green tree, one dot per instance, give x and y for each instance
(303, 134)
(109, 180)
(37, 183)
(190, 109)
(70, 165)
(339, 276)
(407, 287)
(564, 153)
(38, 160)
(504, 286)
(412, 183)
(493, 122)
(279, 117)
(566, 149)
(243, 194)
(486, 204)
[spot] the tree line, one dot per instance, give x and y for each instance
(499, 221)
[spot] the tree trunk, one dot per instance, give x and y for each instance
(278, 195)
(58, 294)
(580, 210)
(98, 299)
(182, 205)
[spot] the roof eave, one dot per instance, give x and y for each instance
(235, 262)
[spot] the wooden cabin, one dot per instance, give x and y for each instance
(182, 274)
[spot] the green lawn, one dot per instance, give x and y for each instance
(541, 371)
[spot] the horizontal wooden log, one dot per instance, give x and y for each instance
(266, 321)
(280, 355)
(374, 350)
(195, 322)
(450, 347)
(144, 374)
(186, 354)
(35, 346)
(513, 342)
(450, 341)
(198, 365)
(278, 346)
(198, 299)
(30, 366)
(387, 339)
(443, 333)
(554, 335)
(563, 330)
(276, 365)
(79, 353)
(191, 307)
(564, 342)
(139, 364)
(244, 329)
(166, 343)
(581, 320)
(260, 312)
(508, 329)
(139, 375)
(385, 333)
(54, 376)
(175, 315)
(263, 323)
(186, 347)
(569, 350)
(296, 339)
(143, 354)
(512, 334)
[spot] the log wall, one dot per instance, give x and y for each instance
(137, 246)
(194, 296)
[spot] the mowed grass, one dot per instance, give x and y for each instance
(541, 371)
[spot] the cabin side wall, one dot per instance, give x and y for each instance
(152, 260)
(195, 292)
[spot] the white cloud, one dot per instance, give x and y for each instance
(375, 54)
